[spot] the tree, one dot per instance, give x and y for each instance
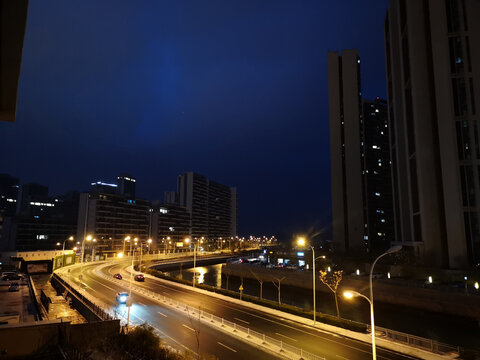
(260, 281)
(278, 282)
(332, 280)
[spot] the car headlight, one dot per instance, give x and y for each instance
(123, 298)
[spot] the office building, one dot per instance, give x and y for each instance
(360, 161)
(110, 218)
(212, 206)
(433, 84)
(41, 222)
(126, 185)
(8, 201)
(170, 224)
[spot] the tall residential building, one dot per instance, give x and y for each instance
(377, 177)
(345, 150)
(360, 161)
(8, 202)
(433, 84)
(170, 224)
(212, 206)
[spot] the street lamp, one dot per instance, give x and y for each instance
(301, 242)
(350, 294)
(127, 238)
(63, 249)
(82, 254)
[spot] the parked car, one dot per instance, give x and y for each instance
(122, 297)
(118, 276)
(13, 287)
(10, 275)
(139, 277)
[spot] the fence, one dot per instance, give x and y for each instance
(415, 341)
(286, 350)
(94, 308)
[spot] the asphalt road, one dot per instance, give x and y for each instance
(177, 329)
(330, 346)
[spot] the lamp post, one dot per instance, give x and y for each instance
(301, 242)
(63, 250)
(129, 304)
(82, 254)
(351, 294)
(127, 238)
(149, 241)
(93, 249)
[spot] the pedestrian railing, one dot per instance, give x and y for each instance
(415, 341)
(283, 349)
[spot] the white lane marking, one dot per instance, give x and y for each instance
(188, 327)
(158, 312)
(139, 303)
(171, 287)
(341, 357)
(287, 337)
(227, 347)
(246, 322)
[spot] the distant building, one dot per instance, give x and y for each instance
(110, 218)
(360, 161)
(9, 187)
(170, 224)
(126, 186)
(8, 203)
(433, 83)
(41, 222)
(34, 199)
(170, 197)
(212, 206)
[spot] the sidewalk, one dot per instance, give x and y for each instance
(58, 308)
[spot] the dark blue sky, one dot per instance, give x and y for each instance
(234, 90)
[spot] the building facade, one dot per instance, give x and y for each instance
(110, 218)
(212, 206)
(345, 151)
(433, 84)
(170, 225)
(376, 172)
(360, 161)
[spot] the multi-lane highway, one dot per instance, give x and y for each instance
(181, 330)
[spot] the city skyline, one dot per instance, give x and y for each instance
(234, 121)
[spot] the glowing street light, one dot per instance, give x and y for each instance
(350, 294)
(301, 242)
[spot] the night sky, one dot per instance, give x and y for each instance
(234, 90)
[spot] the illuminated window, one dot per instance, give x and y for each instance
(163, 210)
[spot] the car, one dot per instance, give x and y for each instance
(139, 277)
(13, 287)
(10, 275)
(118, 276)
(122, 297)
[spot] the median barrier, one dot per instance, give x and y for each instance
(246, 334)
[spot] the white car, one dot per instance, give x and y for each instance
(122, 297)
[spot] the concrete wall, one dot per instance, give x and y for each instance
(27, 339)
(396, 294)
